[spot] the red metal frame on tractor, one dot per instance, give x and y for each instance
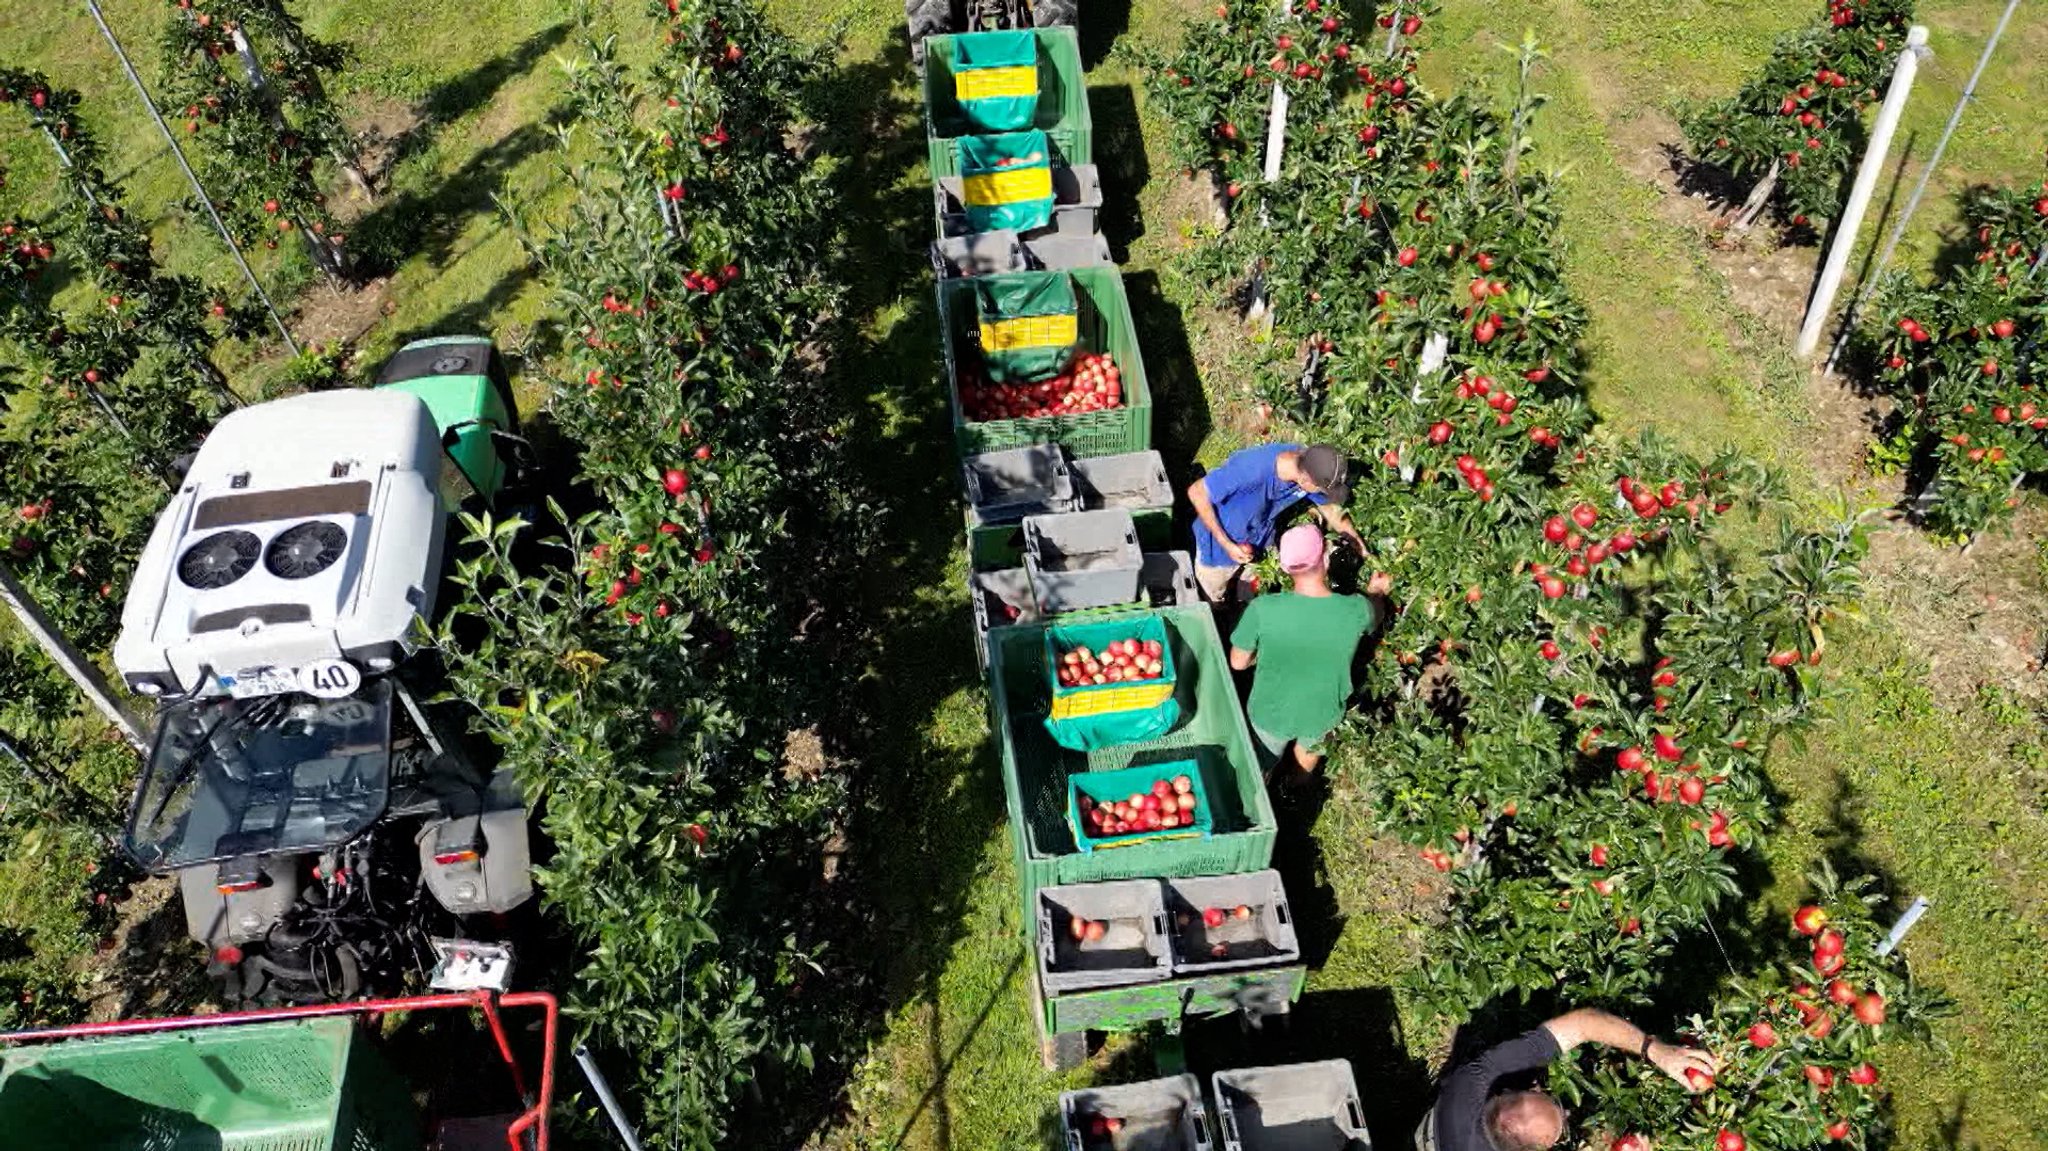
(531, 1123)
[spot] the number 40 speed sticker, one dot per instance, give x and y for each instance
(330, 679)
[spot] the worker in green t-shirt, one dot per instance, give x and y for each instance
(1302, 643)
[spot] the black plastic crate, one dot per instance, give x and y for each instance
(1132, 948)
(1156, 1115)
(1295, 1107)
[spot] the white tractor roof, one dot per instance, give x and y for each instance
(307, 529)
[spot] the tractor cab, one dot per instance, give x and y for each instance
(276, 615)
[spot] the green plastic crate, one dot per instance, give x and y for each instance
(1062, 101)
(1211, 732)
(1105, 326)
(1260, 991)
(1121, 717)
(301, 1085)
(1109, 786)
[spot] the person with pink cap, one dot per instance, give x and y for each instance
(1301, 644)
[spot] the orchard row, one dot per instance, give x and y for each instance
(1581, 688)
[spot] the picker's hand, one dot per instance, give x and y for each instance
(1380, 584)
(1242, 553)
(1689, 1065)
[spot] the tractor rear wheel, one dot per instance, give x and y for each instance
(1055, 13)
(926, 18)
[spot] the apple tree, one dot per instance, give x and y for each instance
(1795, 130)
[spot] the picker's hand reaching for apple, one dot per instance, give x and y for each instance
(1242, 553)
(1689, 1065)
(1380, 584)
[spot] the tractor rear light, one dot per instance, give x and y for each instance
(228, 956)
(447, 858)
(239, 886)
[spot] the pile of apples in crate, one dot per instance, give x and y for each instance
(1087, 930)
(1124, 660)
(1170, 804)
(1093, 384)
(1214, 917)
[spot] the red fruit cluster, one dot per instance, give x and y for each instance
(1087, 930)
(1502, 401)
(1827, 952)
(1102, 1128)
(710, 282)
(1094, 384)
(1124, 659)
(1168, 805)
(1648, 502)
(1475, 477)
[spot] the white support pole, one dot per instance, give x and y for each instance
(1276, 120)
(1276, 144)
(1276, 131)
(1860, 193)
(1898, 932)
(67, 658)
(1891, 244)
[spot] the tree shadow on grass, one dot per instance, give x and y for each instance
(1100, 24)
(427, 223)
(1120, 157)
(1298, 802)
(1180, 408)
(473, 316)
(457, 97)
(907, 872)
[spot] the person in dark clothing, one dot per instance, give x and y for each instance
(1470, 1115)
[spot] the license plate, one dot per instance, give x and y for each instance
(251, 682)
(465, 965)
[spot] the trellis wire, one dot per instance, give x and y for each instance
(191, 177)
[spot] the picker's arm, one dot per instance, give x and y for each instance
(1587, 1025)
(1205, 510)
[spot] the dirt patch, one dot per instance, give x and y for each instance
(151, 969)
(1974, 615)
(329, 316)
(383, 126)
(1191, 200)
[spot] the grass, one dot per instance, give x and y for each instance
(1930, 790)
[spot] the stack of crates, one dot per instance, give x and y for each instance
(1069, 526)
(1071, 239)
(1293, 1107)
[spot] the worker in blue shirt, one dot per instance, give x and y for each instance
(1238, 506)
